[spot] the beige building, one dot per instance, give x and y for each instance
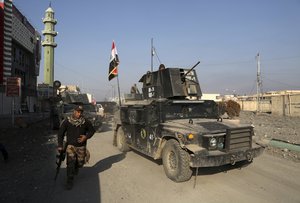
(286, 102)
(215, 97)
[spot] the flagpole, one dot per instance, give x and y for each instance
(113, 68)
(119, 90)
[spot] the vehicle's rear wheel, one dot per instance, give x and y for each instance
(176, 162)
(121, 140)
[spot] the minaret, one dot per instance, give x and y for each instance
(49, 45)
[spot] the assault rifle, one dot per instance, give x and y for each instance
(60, 158)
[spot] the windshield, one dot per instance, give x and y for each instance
(86, 107)
(200, 109)
(89, 108)
(69, 108)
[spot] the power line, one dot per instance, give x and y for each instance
(228, 63)
(156, 54)
(250, 61)
(282, 58)
(252, 90)
(281, 83)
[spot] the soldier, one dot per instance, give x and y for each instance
(78, 130)
(161, 67)
(134, 89)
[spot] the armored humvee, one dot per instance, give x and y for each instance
(65, 104)
(168, 121)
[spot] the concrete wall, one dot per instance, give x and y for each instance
(6, 104)
(284, 105)
(277, 105)
(264, 106)
(247, 105)
(31, 104)
(295, 105)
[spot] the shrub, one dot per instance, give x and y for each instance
(233, 108)
(221, 108)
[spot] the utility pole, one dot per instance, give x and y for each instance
(258, 84)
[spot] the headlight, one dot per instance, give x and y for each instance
(213, 142)
(190, 136)
(221, 143)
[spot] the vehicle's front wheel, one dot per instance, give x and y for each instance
(176, 162)
(121, 140)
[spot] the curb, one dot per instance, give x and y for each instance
(23, 120)
(279, 144)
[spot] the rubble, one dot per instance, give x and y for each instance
(269, 126)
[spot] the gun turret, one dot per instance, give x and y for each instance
(190, 69)
(171, 83)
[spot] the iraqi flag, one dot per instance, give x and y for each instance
(113, 63)
(2, 5)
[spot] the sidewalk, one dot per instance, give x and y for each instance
(22, 120)
(30, 169)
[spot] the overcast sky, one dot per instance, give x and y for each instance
(224, 35)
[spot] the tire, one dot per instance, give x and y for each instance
(121, 140)
(176, 162)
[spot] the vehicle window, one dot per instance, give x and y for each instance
(195, 110)
(68, 108)
(89, 108)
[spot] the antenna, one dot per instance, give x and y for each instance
(152, 54)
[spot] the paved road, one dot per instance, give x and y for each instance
(115, 177)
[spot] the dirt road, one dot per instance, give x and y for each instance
(115, 177)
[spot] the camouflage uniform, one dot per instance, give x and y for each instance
(76, 158)
(77, 154)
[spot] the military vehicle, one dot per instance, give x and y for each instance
(169, 121)
(65, 104)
